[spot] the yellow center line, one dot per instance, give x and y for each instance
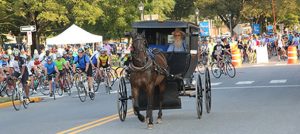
(97, 124)
(93, 122)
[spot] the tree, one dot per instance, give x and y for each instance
(46, 14)
(182, 9)
(228, 11)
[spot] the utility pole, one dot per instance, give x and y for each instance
(274, 15)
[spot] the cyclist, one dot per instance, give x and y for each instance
(60, 64)
(50, 69)
(31, 71)
(4, 67)
(83, 62)
(87, 50)
(20, 71)
(218, 50)
(103, 61)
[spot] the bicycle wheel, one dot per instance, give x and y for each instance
(44, 86)
(80, 89)
(230, 70)
(199, 68)
(113, 78)
(67, 86)
(216, 71)
(16, 99)
(96, 83)
(59, 89)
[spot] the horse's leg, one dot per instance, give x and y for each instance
(135, 102)
(150, 95)
(162, 87)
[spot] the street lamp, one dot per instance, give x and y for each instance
(197, 14)
(141, 8)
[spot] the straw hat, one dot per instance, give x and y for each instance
(177, 30)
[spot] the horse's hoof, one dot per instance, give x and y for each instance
(159, 121)
(150, 126)
(141, 118)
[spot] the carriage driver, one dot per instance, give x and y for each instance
(179, 44)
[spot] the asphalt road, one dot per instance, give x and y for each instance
(259, 100)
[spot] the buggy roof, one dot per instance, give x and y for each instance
(163, 24)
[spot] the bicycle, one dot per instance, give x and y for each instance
(223, 67)
(54, 86)
(18, 97)
(109, 79)
(80, 82)
(64, 84)
(38, 84)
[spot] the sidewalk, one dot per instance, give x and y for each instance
(272, 62)
(8, 102)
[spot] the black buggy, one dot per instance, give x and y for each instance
(183, 81)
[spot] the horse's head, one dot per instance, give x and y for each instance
(139, 47)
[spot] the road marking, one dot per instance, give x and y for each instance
(251, 87)
(216, 83)
(258, 65)
(280, 64)
(244, 82)
(95, 123)
(277, 81)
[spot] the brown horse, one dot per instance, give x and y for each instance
(146, 74)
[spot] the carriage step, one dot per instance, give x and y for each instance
(188, 93)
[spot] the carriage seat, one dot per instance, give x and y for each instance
(161, 47)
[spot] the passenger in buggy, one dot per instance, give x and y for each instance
(178, 44)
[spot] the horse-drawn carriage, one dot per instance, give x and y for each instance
(179, 77)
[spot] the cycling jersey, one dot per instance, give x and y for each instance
(81, 61)
(50, 68)
(60, 63)
(103, 60)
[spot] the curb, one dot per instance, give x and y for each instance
(9, 103)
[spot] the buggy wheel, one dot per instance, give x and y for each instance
(122, 99)
(207, 91)
(200, 67)
(199, 97)
(215, 70)
(230, 70)
(82, 93)
(16, 99)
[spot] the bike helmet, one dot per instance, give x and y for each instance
(16, 52)
(80, 50)
(86, 47)
(49, 58)
(58, 55)
(99, 48)
(5, 56)
(65, 53)
(36, 56)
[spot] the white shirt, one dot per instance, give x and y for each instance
(14, 64)
(30, 66)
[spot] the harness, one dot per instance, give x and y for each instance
(149, 63)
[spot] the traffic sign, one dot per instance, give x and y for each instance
(29, 28)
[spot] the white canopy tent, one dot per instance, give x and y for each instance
(74, 35)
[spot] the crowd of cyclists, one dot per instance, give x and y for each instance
(277, 45)
(16, 65)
